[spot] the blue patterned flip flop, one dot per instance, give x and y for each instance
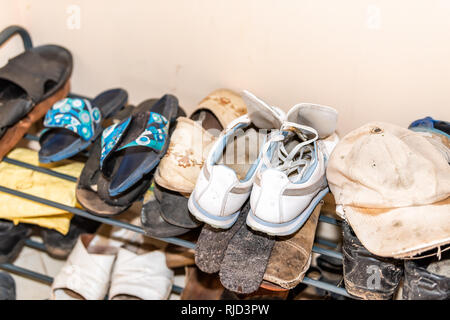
(73, 124)
(133, 147)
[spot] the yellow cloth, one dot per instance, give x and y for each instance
(41, 185)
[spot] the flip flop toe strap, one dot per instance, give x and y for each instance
(111, 137)
(154, 136)
(76, 115)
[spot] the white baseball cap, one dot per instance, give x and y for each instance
(393, 185)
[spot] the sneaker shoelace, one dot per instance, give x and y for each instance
(299, 158)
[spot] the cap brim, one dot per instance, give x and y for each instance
(401, 232)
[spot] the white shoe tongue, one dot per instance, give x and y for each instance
(261, 114)
(321, 118)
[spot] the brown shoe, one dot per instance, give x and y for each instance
(291, 256)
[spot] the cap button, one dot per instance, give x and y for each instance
(376, 130)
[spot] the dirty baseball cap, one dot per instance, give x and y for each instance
(393, 186)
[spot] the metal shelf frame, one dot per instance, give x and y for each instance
(317, 248)
(11, 31)
(117, 223)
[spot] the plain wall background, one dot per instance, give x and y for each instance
(371, 60)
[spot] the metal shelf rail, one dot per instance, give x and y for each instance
(317, 248)
(138, 229)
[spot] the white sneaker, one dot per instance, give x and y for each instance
(291, 181)
(225, 183)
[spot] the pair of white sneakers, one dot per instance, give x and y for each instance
(278, 160)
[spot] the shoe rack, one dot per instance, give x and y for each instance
(321, 246)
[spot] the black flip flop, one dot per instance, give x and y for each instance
(91, 177)
(30, 79)
(155, 226)
(134, 147)
(153, 218)
(87, 186)
(174, 208)
(92, 188)
(73, 124)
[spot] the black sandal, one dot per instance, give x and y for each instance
(29, 84)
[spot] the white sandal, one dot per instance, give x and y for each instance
(140, 276)
(86, 274)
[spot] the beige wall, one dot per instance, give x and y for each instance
(371, 60)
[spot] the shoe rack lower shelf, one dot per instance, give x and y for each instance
(114, 222)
